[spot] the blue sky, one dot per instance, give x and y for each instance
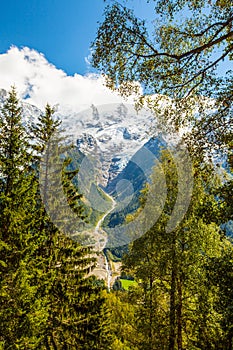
(61, 30)
(43, 49)
(49, 41)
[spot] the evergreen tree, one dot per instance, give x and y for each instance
(17, 201)
(75, 308)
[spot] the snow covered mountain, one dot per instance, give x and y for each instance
(111, 133)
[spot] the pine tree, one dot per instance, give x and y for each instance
(74, 305)
(17, 200)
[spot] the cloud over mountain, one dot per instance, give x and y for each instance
(38, 82)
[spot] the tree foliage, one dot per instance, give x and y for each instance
(179, 58)
(177, 309)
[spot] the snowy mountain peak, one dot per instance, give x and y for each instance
(112, 133)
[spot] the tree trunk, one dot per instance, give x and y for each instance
(179, 314)
(53, 342)
(172, 316)
(151, 314)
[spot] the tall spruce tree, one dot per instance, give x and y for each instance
(75, 307)
(17, 200)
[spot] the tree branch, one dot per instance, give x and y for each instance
(223, 24)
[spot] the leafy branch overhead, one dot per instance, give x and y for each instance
(177, 59)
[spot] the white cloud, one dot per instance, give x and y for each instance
(40, 82)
